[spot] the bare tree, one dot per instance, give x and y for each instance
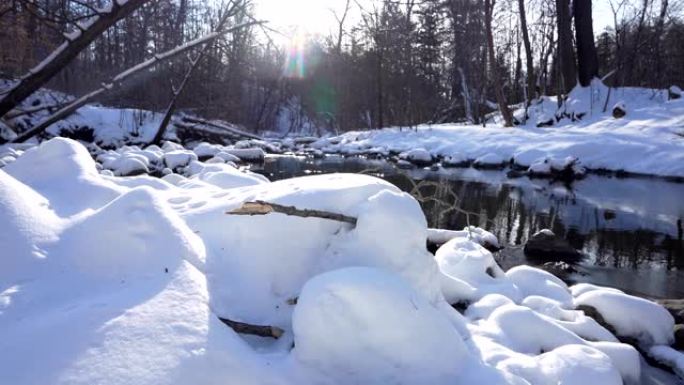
(566, 53)
(496, 80)
(65, 53)
(587, 60)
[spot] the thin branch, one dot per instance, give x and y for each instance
(255, 330)
(264, 208)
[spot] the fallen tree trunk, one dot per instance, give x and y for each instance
(254, 330)
(264, 208)
(118, 80)
(211, 123)
(65, 53)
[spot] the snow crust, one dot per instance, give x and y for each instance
(111, 280)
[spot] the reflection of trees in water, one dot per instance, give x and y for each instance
(513, 214)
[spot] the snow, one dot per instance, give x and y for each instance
(533, 281)
(383, 331)
(646, 321)
(417, 155)
(111, 280)
(470, 272)
(668, 356)
(178, 158)
(644, 142)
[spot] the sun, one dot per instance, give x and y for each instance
(303, 16)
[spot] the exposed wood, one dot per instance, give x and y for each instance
(264, 208)
(65, 53)
(254, 330)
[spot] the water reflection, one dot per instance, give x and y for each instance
(629, 229)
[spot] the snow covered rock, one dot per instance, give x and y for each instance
(619, 110)
(567, 365)
(383, 331)
(545, 245)
(469, 272)
(674, 92)
(455, 160)
(533, 281)
(490, 161)
(175, 159)
(418, 156)
(247, 154)
(669, 357)
(226, 176)
(643, 320)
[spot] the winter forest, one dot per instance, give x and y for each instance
(337, 192)
(379, 63)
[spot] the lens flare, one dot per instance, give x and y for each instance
(295, 63)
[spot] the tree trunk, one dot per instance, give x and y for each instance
(586, 50)
(64, 54)
(531, 93)
(496, 79)
(566, 53)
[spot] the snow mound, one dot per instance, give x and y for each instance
(384, 331)
(58, 167)
(469, 272)
(153, 241)
(533, 281)
(646, 321)
(567, 365)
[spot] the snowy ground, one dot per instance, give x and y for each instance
(111, 280)
(648, 140)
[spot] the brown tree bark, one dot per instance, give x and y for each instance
(42, 73)
(587, 60)
(496, 79)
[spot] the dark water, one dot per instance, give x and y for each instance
(630, 230)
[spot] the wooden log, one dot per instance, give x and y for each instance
(254, 330)
(221, 126)
(264, 208)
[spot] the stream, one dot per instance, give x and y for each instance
(628, 229)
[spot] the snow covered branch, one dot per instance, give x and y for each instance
(66, 52)
(119, 79)
(264, 208)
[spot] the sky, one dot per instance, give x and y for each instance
(316, 16)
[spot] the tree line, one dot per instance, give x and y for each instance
(399, 63)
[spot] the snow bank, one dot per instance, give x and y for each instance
(110, 280)
(645, 141)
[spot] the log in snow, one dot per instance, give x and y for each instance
(263, 208)
(231, 130)
(255, 330)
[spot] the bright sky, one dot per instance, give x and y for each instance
(310, 16)
(316, 16)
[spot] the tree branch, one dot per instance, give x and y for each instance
(264, 208)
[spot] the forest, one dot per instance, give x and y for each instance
(398, 63)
